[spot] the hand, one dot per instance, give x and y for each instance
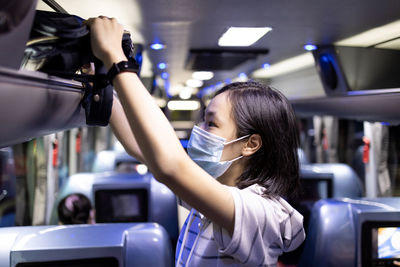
(106, 38)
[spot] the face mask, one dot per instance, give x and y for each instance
(206, 148)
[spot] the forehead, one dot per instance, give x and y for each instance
(220, 106)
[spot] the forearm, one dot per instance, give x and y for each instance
(159, 145)
(122, 130)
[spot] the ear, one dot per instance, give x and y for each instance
(252, 145)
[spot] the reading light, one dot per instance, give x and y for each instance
(266, 66)
(183, 105)
(242, 36)
(203, 75)
(310, 47)
(141, 169)
(157, 46)
(242, 76)
(162, 65)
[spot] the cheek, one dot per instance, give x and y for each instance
(231, 152)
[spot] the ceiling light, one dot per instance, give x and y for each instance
(183, 105)
(185, 93)
(242, 36)
(368, 38)
(286, 66)
(194, 83)
(157, 46)
(373, 36)
(203, 75)
(310, 47)
(162, 65)
(164, 75)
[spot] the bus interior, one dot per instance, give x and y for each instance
(336, 62)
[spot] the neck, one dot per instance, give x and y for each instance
(234, 171)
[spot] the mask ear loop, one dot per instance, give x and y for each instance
(235, 140)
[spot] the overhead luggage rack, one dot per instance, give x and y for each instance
(377, 105)
(34, 104)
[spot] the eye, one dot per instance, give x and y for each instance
(211, 124)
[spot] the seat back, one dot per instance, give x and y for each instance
(124, 197)
(321, 181)
(115, 245)
(349, 232)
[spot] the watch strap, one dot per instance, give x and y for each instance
(123, 66)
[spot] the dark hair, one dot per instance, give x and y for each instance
(74, 209)
(260, 109)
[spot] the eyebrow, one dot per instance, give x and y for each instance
(212, 114)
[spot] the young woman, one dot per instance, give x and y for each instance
(248, 142)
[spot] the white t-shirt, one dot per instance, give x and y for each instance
(264, 228)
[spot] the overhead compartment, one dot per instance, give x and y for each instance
(359, 83)
(379, 105)
(343, 69)
(34, 104)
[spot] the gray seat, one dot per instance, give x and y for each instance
(128, 245)
(322, 181)
(344, 232)
(143, 198)
(109, 160)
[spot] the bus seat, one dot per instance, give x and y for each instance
(109, 160)
(302, 156)
(139, 198)
(345, 182)
(349, 232)
(321, 181)
(141, 244)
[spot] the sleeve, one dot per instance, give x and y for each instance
(259, 231)
(183, 203)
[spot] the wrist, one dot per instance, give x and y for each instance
(113, 58)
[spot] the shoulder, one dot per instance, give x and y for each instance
(252, 198)
(264, 227)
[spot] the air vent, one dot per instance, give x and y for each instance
(220, 59)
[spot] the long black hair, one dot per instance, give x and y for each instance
(260, 109)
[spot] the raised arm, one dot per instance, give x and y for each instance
(157, 141)
(122, 130)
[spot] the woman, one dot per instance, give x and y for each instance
(239, 218)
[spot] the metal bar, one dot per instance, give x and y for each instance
(54, 5)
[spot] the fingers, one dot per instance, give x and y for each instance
(90, 21)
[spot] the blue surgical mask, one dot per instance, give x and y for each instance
(206, 148)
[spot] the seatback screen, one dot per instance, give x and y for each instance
(387, 244)
(121, 205)
(380, 243)
(98, 262)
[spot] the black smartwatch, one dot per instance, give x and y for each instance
(124, 66)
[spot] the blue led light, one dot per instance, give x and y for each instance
(164, 75)
(157, 46)
(162, 65)
(266, 66)
(310, 47)
(242, 75)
